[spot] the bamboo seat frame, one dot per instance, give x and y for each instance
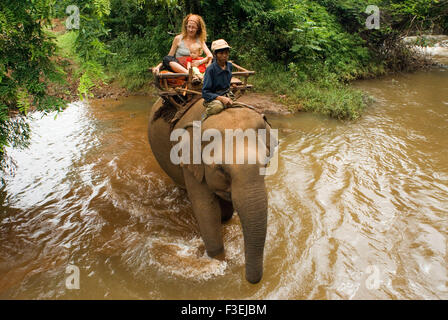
(182, 96)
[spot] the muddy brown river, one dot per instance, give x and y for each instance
(357, 210)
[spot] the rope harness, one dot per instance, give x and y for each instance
(235, 104)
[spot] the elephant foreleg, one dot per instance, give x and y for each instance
(207, 211)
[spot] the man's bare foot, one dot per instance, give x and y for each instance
(196, 80)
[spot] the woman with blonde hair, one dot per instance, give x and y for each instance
(193, 31)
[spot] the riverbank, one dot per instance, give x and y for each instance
(104, 85)
(276, 89)
(110, 87)
(266, 98)
(433, 46)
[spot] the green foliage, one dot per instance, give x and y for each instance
(322, 42)
(139, 39)
(66, 45)
(25, 66)
(89, 72)
(15, 133)
(87, 45)
(326, 95)
(135, 55)
(23, 101)
(421, 15)
(310, 38)
(306, 49)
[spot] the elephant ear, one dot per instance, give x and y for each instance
(197, 170)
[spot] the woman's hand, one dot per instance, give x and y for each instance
(207, 53)
(209, 61)
(156, 70)
(197, 63)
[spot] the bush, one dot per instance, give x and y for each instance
(326, 96)
(26, 67)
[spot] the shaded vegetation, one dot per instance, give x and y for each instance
(25, 67)
(307, 50)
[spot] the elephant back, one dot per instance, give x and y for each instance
(172, 113)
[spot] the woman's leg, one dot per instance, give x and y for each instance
(171, 64)
(176, 67)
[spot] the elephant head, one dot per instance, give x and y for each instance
(219, 184)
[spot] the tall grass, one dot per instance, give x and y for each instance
(132, 58)
(326, 96)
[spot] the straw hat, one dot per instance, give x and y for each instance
(219, 45)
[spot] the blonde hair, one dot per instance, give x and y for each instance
(196, 47)
(202, 31)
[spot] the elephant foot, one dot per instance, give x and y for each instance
(254, 279)
(217, 254)
(221, 256)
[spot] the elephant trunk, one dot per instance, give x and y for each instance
(250, 201)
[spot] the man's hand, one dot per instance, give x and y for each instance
(226, 101)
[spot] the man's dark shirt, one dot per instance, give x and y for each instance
(216, 81)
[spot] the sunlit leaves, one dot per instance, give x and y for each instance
(25, 66)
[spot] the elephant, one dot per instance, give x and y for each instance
(216, 189)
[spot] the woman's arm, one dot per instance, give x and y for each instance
(156, 70)
(172, 52)
(174, 45)
(197, 63)
(207, 52)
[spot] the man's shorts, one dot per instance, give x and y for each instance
(213, 107)
(216, 106)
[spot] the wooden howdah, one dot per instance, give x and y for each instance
(179, 90)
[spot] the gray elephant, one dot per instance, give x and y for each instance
(217, 190)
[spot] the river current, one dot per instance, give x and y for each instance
(357, 210)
